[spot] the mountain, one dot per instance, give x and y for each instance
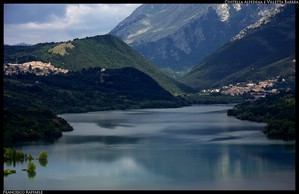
(264, 52)
(31, 101)
(104, 51)
(22, 44)
(87, 90)
(178, 36)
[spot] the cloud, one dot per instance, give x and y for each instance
(23, 13)
(75, 21)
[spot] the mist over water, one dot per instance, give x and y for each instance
(197, 147)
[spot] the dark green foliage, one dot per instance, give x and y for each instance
(7, 172)
(31, 167)
(31, 174)
(11, 154)
(43, 159)
(276, 110)
(32, 124)
(212, 99)
(43, 156)
(43, 163)
(87, 90)
(30, 101)
(30, 157)
(99, 51)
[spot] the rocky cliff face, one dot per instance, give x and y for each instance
(178, 36)
(264, 50)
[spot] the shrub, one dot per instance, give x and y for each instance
(43, 156)
(31, 167)
(8, 171)
(30, 157)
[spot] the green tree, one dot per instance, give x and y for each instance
(43, 156)
(31, 167)
(30, 157)
(8, 153)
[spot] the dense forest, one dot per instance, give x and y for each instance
(87, 90)
(212, 98)
(31, 101)
(276, 110)
(31, 124)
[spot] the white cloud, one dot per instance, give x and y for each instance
(79, 21)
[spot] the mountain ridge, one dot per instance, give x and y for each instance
(178, 36)
(104, 51)
(263, 53)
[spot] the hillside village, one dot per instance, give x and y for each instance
(255, 90)
(36, 67)
(260, 88)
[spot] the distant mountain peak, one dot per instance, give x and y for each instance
(266, 16)
(223, 12)
(22, 44)
(178, 36)
(265, 52)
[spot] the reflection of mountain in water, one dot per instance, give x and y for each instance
(109, 140)
(181, 145)
(212, 161)
(175, 160)
(112, 123)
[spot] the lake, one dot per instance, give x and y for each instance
(196, 148)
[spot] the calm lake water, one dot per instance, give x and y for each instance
(197, 147)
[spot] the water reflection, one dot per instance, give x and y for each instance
(43, 163)
(212, 163)
(187, 162)
(31, 175)
(100, 139)
(188, 148)
(112, 123)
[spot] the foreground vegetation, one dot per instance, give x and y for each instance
(32, 124)
(8, 172)
(276, 110)
(11, 155)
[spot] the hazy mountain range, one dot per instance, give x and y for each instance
(178, 36)
(263, 52)
(216, 44)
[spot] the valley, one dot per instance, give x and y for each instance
(175, 96)
(178, 36)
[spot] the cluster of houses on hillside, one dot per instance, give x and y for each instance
(36, 67)
(260, 88)
(255, 90)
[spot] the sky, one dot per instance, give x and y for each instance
(40, 23)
